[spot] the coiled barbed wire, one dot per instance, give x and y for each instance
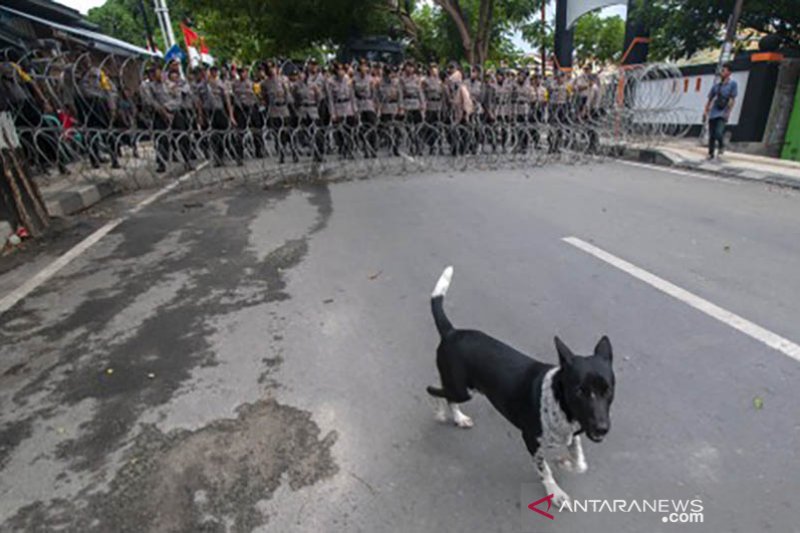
(88, 118)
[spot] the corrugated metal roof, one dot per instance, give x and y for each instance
(102, 41)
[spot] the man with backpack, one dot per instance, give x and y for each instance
(721, 99)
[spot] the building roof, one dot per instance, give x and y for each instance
(97, 40)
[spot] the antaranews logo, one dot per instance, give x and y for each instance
(669, 511)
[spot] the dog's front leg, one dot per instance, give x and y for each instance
(543, 469)
(575, 461)
(550, 486)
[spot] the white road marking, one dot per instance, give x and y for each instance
(12, 298)
(730, 181)
(773, 340)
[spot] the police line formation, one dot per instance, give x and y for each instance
(75, 112)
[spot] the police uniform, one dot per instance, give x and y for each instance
(364, 88)
(215, 98)
(390, 97)
(178, 94)
(558, 111)
(435, 104)
(413, 106)
(342, 108)
(307, 98)
(521, 99)
(277, 98)
(246, 111)
(96, 104)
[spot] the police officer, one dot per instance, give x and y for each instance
(277, 98)
(308, 97)
(178, 98)
(521, 98)
(538, 107)
(96, 104)
(390, 97)
(558, 110)
(435, 92)
(219, 113)
(413, 104)
(248, 116)
(365, 88)
(342, 109)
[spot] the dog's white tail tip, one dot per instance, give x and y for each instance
(444, 282)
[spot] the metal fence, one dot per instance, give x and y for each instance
(66, 128)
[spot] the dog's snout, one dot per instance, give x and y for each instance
(602, 428)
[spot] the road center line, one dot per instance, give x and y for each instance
(11, 299)
(773, 340)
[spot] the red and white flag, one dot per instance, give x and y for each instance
(192, 39)
(205, 55)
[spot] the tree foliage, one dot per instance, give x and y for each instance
(123, 19)
(599, 39)
(682, 27)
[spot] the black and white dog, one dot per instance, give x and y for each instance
(551, 405)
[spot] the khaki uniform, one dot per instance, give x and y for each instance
(277, 97)
(390, 96)
(413, 96)
(307, 97)
(340, 97)
(365, 92)
(435, 94)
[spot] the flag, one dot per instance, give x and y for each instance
(174, 52)
(205, 56)
(191, 39)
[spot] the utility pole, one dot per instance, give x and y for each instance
(151, 44)
(725, 54)
(543, 36)
(162, 13)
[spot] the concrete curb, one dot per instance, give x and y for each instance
(75, 199)
(655, 156)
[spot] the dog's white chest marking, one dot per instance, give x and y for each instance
(557, 431)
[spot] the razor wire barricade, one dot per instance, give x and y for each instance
(90, 117)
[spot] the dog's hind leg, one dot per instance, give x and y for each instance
(460, 419)
(441, 410)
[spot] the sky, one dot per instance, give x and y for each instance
(85, 5)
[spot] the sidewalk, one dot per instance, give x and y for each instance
(689, 154)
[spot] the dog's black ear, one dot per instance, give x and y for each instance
(603, 349)
(565, 355)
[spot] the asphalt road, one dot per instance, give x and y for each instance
(257, 360)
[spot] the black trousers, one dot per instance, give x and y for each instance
(280, 127)
(343, 134)
(413, 120)
(95, 115)
(559, 113)
(432, 130)
(367, 132)
(220, 125)
(716, 135)
(249, 118)
(390, 131)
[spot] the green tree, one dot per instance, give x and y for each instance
(123, 19)
(679, 28)
(599, 39)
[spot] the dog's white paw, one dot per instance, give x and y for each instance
(463, 421)
(440, 416)
(560, 498)
(570, 465)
